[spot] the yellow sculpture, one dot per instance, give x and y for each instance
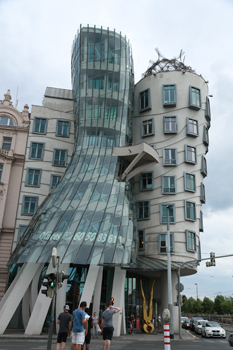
(147, 326)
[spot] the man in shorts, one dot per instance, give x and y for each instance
(64, 321)
(107, 324)
(78, 335)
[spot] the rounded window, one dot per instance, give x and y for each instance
(6, 121)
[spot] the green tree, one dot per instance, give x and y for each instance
(217, 304)
(198, 306)
(208, 306)
(227, 305)
(190, 306)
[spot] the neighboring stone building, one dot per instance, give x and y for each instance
(49, 149)
(13, 140)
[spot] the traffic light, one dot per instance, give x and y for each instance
(212, 260)
(61, 278)
(50, 284)
(112, 301)
(183, 299)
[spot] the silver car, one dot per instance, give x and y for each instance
(198, 326)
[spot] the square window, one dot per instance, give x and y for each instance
(205, 136)
(143, 210)
(63, 128)
(142, 239)
(6, 144)
(59, 157)
(1, 171)
(170, 213)
(190, 241)
(54, 180)
(201, 226)
(169, 95)
(169, 156)
(168, 184)
(40, 125)
(170, 125)
(192, 127)
(36, 150)
(33, 177)
(146, 181)
(190, 154)
(190, 211)
(144, 100)
(29, 205)
(203, 166)
(163, 243)
(194, 98)
(189, 182)
(147, 127)
(202, 194)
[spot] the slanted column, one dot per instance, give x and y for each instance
(118, 290)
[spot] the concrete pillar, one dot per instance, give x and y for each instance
(26, 308)
(164, 300)
(118, 293)
(61, 293)
(15, 293)
(97, 294)
(90, 284)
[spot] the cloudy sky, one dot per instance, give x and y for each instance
(35, 48)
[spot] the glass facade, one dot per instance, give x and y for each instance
(89, 215)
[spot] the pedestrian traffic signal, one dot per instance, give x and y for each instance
(50, 284)
(61, 278)
(112, 301)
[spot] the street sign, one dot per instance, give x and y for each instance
(181, 287)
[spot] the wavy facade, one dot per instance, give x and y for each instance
(89, 216)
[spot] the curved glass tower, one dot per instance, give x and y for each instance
(89, 216)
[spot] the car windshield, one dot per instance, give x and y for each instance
(201, 322)
(212, 324)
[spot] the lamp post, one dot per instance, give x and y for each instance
(169, 279)
(196, 289)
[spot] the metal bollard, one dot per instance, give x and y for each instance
(167, 345)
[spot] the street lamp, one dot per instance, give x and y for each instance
(169, 278)
(196, 289)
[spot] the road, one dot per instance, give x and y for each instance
(195, 343)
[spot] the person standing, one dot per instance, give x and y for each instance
(64, 321)
(159, 321)
(95, 322)
(89, 327)
(78, 335)
(107, 324)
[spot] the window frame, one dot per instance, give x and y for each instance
(202, 193)
(152, 181)
(66, 156)
(190, 208)
(23, 205)
(143, 218)
(207, 110)
(167, 149)
(169, 104)
(187, 152)
(173, 216)
(203, 166)
(144, 239)
(51, 180)
(205, 135)
(42, 153)
(142, 127)
(9, 121)
(172, 243)
(148, 107)
(34, 126)
(1, 171)
(64, 121)
(186, 188)
(201, 226)
(193, 105)
(163, 187)
(188, 132)
(170, 123)
(27, 177)
(194, 243)
(5, 142)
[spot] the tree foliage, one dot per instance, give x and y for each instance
(221, 306)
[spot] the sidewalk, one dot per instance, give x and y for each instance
(136, 336)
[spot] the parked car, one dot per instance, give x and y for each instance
(192, 321)
(212, 329)
(230, 339)
(198, 325)
(184, 319)
(186, 324)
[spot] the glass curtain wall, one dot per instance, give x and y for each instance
(89, 216)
